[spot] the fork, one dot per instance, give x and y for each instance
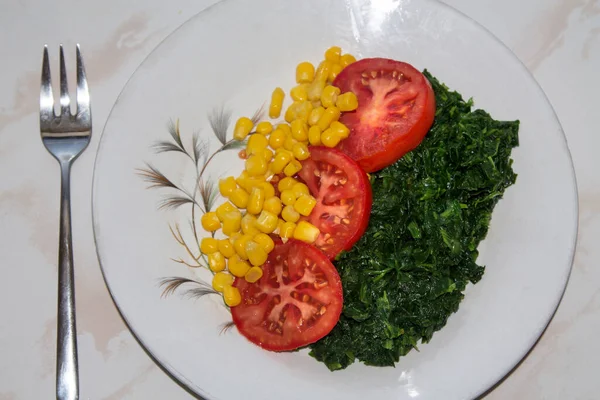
(65, 136)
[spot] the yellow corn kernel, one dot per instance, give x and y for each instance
(331, 114)
(265, 242)
(239, 245)
(298, 93)
(276, 102)
(288, 197)
(286, 183)
(314, 135)
(255, 201)
(303, 110)
(330, 138)
(238, 266)
(276, 139)
(210, 221)
(299, 189)
(273, 205)
(333, 54)
(247, 183)
(292, 111)
(266, 221)
(256, 254)
(323, 70)
(256, 165)
(268, 189)
(267, 155)
(253, 274)
(216, 262)
(280, 161)
(224, 209)
(285, 128)
(329, 96)
(292, 168)
(300, 151)
(221, 280)
(232, 222)
(239, 197)
(226, 248)
(339, 129)
(346, 60)
(264, 128)
(306, 232)
(233, 237)
(232, 296)
(305, 204)
(243, 126)
(256, 144)
(289, 142)
(227, 186)
(289, 214)
(299, 130)
(209, 245)
(305, 72)
(335, 71)
(315, 115)
(286, 229)
(315, 89)
(347, 102)
(249, 225)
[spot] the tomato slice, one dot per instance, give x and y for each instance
(396, 106)
(343, 195)
(297, 301)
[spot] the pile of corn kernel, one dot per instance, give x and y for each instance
(255, 209)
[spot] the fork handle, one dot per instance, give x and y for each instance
(67, 379)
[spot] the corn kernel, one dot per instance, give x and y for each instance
(290, 214)
(305, 72)
(333, 54)
(315, 89)
(298, 110)
(226, 248)
(232, 222)
(285, 128)
(266, 222)
(314, 135)
(329, 96)
(209, 245)
(232, 296)
(335, 71)
(265, 242)
(243, 126)
(210, 221)
(347, 102)
(329, 138)
(256, 144)
(273, 205)
(268, 189)
(300, 151)
(264, 128)
(249, 225)
(323, 70)
(298, 93)
(346, 60)
(224, 209)
(256, 254)
(286, 183)
(299, 189)
(331, 114)
(221, 280)
(253, 274)
(305, 204)
(247, 183)
(299, 130)
(292, 168)
(288, 197)
(315, 115)
(339, 129)
(276, 139)
(239, 245)
(233, 237)
(286, 229)
(256, 165)
(276, 102)
(306, 232)
(280, 161)
(216, 262)
(239, 197)
(255, 202)
(267, 155)
(227, 186)
(289, 142)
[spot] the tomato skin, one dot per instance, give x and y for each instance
(394, 113)
(357, 189)
(254, 315)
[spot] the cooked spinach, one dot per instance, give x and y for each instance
(407, 274)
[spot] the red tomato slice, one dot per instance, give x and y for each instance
(297, 301)
(343, 195)
(396, 106)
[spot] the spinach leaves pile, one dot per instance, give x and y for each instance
(407, 274)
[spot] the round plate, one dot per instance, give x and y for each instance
(232, 56)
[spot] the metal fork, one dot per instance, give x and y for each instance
(65, 137)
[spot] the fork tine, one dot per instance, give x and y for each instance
(46, 99)
(65, 101)
(83, 93)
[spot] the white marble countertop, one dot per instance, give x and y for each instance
(558, 40)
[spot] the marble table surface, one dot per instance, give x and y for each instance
(558, 40)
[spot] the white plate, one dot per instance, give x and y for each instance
(235, 53)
